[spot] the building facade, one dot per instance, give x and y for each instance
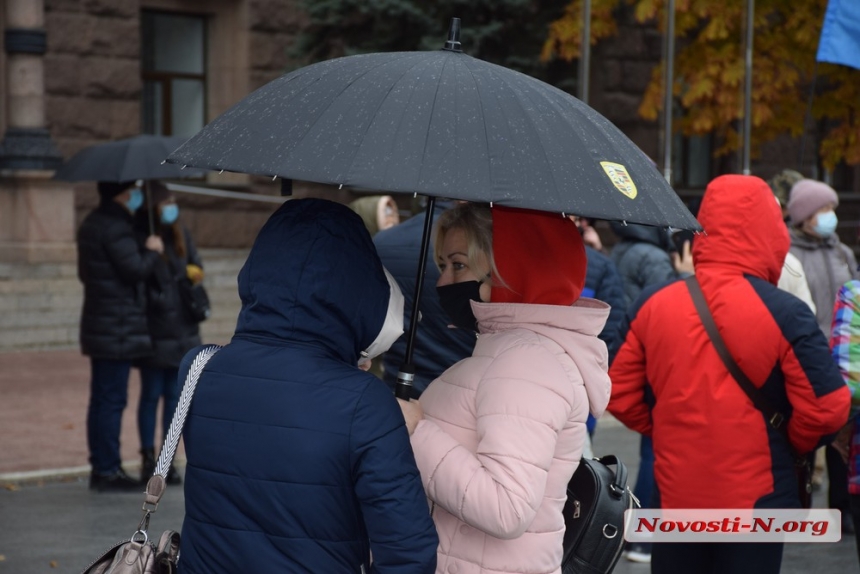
(75, 73)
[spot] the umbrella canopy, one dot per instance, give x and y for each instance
(443, 124)
(139, 157)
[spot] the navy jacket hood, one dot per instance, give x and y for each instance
(309, 280)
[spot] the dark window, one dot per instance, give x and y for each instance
(843, 177)
(174, 73)
(691, 161)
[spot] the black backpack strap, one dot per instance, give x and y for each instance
(774, 417)
(803, 465)
(619, 483)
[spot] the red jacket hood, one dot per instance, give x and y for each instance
(540, 257)
(744, 230)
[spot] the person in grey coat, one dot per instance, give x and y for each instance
(828, 264)
(642, 258)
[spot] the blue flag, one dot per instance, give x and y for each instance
(840, 34)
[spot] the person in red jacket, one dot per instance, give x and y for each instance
(713, 448)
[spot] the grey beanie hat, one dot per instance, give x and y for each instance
(808, 196)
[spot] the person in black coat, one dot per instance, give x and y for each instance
(172, 327)
(113, 267)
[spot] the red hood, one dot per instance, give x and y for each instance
(540, 257)
(744, 230)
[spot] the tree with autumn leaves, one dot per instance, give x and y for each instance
(709, 70)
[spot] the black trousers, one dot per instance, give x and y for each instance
(837, 474)
(855, 516)
(716, 558)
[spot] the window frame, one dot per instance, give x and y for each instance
(165, 79)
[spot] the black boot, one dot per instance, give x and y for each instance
(117, 481)
(147, 466)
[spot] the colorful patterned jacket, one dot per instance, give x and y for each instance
(845, 345)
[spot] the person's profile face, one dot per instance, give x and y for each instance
(454, 265)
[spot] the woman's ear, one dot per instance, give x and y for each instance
(484, 291)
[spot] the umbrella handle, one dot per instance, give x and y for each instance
(406, 375)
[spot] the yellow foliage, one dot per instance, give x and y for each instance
(709, 69)
(565, 34)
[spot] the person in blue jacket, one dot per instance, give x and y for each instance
(297, 460)
(437, 345)
(602, 282)
(643, 259)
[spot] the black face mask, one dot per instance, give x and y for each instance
(455, 300)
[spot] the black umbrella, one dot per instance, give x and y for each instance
(442, 124)
(139, 157)
(439, 123)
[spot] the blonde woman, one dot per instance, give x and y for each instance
(499, 434)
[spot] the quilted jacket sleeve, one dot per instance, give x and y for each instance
(132, 262)
(523, 400)
(610, 290)
(402, 535)
(627, 372)
(819, 397)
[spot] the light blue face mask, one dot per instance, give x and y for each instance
(825, 224)
(135, 200)
(169, 213)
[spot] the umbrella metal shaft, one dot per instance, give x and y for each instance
(406, 375)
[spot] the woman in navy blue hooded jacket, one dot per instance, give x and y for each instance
(297, 460)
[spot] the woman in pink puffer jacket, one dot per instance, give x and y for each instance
(498, 436)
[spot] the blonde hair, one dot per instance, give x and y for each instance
(476, 221)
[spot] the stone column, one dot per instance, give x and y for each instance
(37, 214)
(26, 143)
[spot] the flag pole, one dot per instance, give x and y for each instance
(669, 77)
(748, 60)
(585, 52)
(806, 118)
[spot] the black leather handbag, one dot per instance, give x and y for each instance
(597, 498)
(195, 299)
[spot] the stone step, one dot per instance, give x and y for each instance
(15, 271)
(41, 301)
(40, 304)
(36, 338)
(40, 319)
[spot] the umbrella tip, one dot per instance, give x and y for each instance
(453, 43)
